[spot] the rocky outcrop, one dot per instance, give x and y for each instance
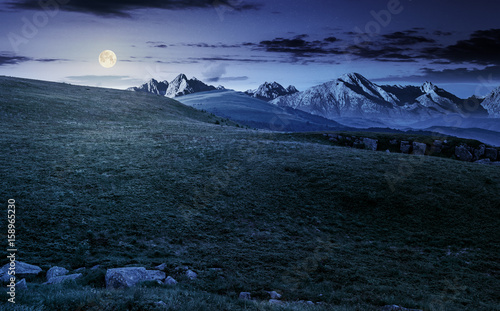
(130, 276)
(441, 148)
(245, 296)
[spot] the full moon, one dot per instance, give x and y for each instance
(107, 58)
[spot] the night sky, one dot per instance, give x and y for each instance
(242, 43)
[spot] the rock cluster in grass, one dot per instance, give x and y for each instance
(481, 154)
(126, 277)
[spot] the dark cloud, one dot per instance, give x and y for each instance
(8, 59)
(296, 46)
(483, 47)
(406, 38)
(123, 8)
(12, 59)
(227, 79)
(331, 39)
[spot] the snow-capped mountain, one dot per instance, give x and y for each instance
(492, 103)
(152, 86)
(352, 95)
(181, 85)
(269, 91)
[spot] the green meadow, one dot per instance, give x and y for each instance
(116, 178)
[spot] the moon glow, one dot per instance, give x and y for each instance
(107, 58)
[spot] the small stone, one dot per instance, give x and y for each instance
(21, 285)
(309, 302)
(55, 272)
(245, 296)
(63, 278)
(95, 267)
(387, 151)
(191, 274)
(170, 281)
(161, 304)
(161, 267)
(79, 270)
(125, 277)
(155, 275)
(275, 301)
(274, 295)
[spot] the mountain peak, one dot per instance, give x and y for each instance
(271, 90)
(353, 78)
(428, 87)
(177, 87)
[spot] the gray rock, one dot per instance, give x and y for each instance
(161, 267)
(309, 302)
(22, 270)
(191, 274)
(170, 281)
(419, 148)
(478, 153)
(245, 296)
(463, 153)
(387, 151)
(21, 285)
(274, 295)
(405, 147)
(155, 275)
(95, 267)
(491, 154)
(55, 272)
(79, 270)
(125, 277)
(393, 142)
(63, 278)
(275, 302)
(370, 144)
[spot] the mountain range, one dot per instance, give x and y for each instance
(180, 86)
(352, 97)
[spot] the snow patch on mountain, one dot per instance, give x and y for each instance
(492, 103)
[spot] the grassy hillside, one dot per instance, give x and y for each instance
(119, 178)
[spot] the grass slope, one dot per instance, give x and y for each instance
(120, 178)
